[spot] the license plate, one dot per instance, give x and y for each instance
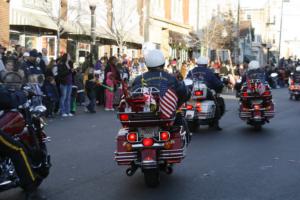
(190, 114)
(148, 132)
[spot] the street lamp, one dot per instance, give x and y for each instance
(93, 30)
(280, 33)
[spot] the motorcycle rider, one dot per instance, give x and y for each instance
(254, 72)
(14, 149)
(157, 77)
(296, 75)
(201, 72)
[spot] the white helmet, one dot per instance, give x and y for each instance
(26, 54)
(202, 60)
(298, 69)
(254, 64)
(154, 58)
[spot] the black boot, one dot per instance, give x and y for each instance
(217, 127)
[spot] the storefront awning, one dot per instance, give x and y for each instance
(19, 17)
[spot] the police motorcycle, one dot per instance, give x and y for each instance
(256, 104)
(199, 110)
(273, 80)
(148, 140)
(294, 87)
(25, 124)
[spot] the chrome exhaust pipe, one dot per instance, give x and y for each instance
(6, 185)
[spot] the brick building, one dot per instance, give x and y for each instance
(4, 22)
(169, 27)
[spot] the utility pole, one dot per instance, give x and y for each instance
(280, 33)
(93, 32)
(58, 30)
(147, 23)
(198, 21)
(237, 51)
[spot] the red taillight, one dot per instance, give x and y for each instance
(267, 93)
(132, 137)
(256, 107)
(245, 94)
(292, 82)
(124, 117)
(164, 136)
(198, 93)
(189, 107)
(148, 142)
(198, 107)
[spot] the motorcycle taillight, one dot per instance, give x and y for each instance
(292, 82)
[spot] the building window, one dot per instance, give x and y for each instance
(177, 10)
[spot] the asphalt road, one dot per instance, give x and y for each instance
(235, 164)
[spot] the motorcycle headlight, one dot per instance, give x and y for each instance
(39, 110)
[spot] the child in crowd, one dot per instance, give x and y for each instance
(78, 81)
(108, 93)
(90, 87)
(52, 97)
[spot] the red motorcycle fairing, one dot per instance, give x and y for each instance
(12, 122)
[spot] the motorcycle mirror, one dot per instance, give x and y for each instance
(27, 88)
(188, 82)
(274, 75)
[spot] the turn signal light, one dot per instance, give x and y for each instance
(128, 147)
(132, 137)
(245, 94)
(198, 107)
(124, 117)
(168, 145)
(164, 136)
(189, 107)
(148, 142)
(198, 93)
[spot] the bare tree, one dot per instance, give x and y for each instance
(60, 17)
(219, 33)
(122, 19)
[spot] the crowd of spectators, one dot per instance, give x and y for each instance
(99, 83)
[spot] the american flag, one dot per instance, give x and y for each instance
(168, 101)
(261, 88)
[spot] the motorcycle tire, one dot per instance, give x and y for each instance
(297, 98)
(152, 177)
(44, 170)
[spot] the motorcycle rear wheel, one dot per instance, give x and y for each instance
(152, 177)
